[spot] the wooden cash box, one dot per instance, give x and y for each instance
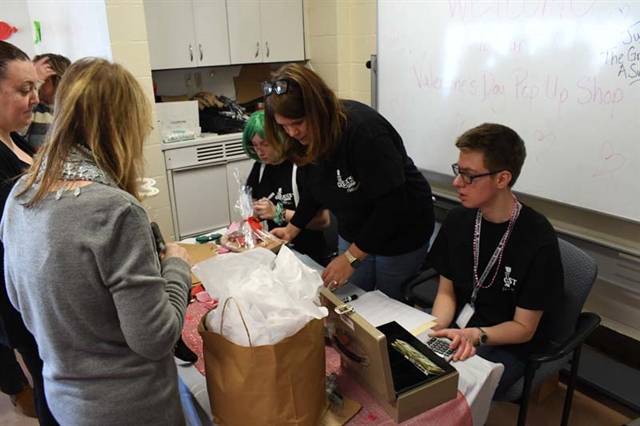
(401, 388)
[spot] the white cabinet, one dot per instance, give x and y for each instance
(202, 188)
(187, 33)
(201, 202)
(265, 31)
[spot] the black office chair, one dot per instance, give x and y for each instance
(421, 289)
(569, 328)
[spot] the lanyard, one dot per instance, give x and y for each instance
(497, 254)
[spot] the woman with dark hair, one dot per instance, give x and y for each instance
(82, 266)
(354, 163)
(18, 95)
(276, 191)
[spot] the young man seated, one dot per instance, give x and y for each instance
(498, 260)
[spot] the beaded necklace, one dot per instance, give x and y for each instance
(497, 254)
(78, 166)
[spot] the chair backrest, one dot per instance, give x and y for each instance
(580, 272)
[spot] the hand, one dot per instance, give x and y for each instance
(43, 68)
(264, 209)
(464, 340)
(336, 274)
(287, 233)
(176, 250)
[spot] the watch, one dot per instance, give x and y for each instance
(483, 338)
(354, 261)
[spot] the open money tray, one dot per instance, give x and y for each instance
(367, 354)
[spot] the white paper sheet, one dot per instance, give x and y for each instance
(377, 308)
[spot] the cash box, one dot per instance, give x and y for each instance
(383, 361)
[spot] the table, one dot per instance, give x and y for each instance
(478, 379)
(476, 384)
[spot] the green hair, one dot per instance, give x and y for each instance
(255, 126)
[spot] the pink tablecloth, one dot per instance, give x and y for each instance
(455, 412)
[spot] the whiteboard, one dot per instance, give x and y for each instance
(565, 74)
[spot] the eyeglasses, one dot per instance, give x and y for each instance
(467, 177)
(279, 87)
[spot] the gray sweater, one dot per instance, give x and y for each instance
(84, 273)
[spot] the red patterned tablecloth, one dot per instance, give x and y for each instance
(455, 412)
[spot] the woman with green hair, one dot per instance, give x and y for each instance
(276, 191)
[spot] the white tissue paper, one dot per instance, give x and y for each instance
(276, 294)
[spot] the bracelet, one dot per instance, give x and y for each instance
(279, 217)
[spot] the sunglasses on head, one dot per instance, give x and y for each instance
(278, 87)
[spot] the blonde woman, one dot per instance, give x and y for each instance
(81, 261)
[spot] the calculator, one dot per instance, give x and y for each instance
(440, 346)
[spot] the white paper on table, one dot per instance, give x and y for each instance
(378, 308)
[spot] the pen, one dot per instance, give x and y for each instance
(271, 196)
(349, 298)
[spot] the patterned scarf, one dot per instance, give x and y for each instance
(79, 166)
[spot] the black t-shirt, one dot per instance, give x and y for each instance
(382, 202)
(12, 329)
(277, 179)
(530, 275)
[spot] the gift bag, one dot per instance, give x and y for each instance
(271, 385)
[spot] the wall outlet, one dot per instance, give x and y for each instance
(198, 80)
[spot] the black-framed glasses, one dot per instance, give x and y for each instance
(468, 177)
(278, 87)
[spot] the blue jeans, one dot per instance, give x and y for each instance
(385, 273)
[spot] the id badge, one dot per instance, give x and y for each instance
(465, 315)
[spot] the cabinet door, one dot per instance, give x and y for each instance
(170, 34)
(244, 168)
(212, 38)
(201, 200)
(245, 44)
(282, 30)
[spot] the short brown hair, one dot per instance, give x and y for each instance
(309, 97)
(502, 147)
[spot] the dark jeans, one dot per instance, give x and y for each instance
(12, 377)
(513, 367)
(385, 273)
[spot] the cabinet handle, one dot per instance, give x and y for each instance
(200, 48)
(257, 49)
(267, 43)
(191, 52)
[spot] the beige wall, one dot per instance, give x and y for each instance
(341, 37)
(128, 33)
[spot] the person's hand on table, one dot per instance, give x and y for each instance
(264, 209)
(464, 340)
(176, 250)
(287, 233)
(337, 272)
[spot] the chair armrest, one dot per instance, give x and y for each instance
(587, 323)
(419, 278)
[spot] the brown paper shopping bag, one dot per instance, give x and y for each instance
(279, 385)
